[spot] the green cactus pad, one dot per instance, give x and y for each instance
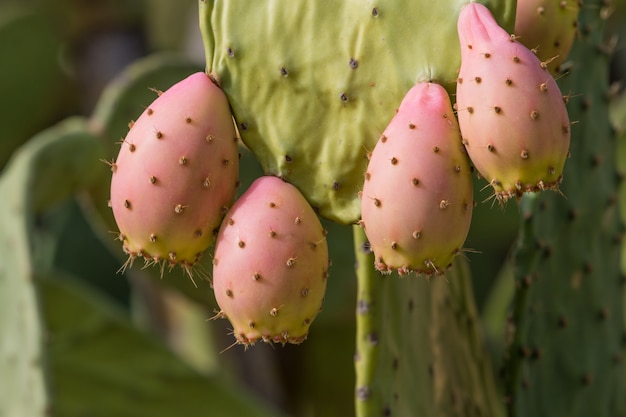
(312, 88)
(566, 357)
(49, 168)
(419, 350)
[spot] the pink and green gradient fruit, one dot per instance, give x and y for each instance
(417, 202)
(271, 264)
(548, 27)
(511, 112)
(176, 174)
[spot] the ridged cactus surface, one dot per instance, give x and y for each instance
(566, 354)
(312, 88)
(419, 349)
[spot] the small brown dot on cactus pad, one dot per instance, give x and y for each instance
(159, 134)
(508, 82)
(491, 148)
(534, 114)
(188, 120)
(411, 126)
(436, 149)
(377, 202)
(149, 111)
(394, 245)
(298, 220)
(470, 110)
(304, 292)
(127, 204)
(415, 181)
(353, 63)
(284, 72)
(497, 109)
(524, 154)
(478, 80)
(443, 204)
(153, 238)
(343, 97)
(229, 293)
(290, 262)
(179, 208)
(394, 161)
(272, 234)
(183, 160)
(241, 244)
(516, 59)
(274, 312)
(272, 204)
(367, 176)
(231, 52)
(375, 12)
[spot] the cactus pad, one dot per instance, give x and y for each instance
(568, 308)
(315, 86)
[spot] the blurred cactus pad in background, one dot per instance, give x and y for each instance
(357, 208)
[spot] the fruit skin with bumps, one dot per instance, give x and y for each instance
(271, 264)
(511, 112)
(176, 171)
(548, 27)
(417, 197)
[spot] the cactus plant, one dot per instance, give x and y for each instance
(568, 277)
(311, 107)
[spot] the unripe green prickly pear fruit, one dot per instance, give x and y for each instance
(271, 264)
(548, 27)
(417, 202)
(511, 112)
(176, 174)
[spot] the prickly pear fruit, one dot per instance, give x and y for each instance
(511, 112)
(175, 175)
(547, 27)
(416, 203)
(271, 264)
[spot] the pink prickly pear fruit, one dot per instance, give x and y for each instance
(416, 203)
(271, 264)
(547, 27)
(175, 175)
(512, 115)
